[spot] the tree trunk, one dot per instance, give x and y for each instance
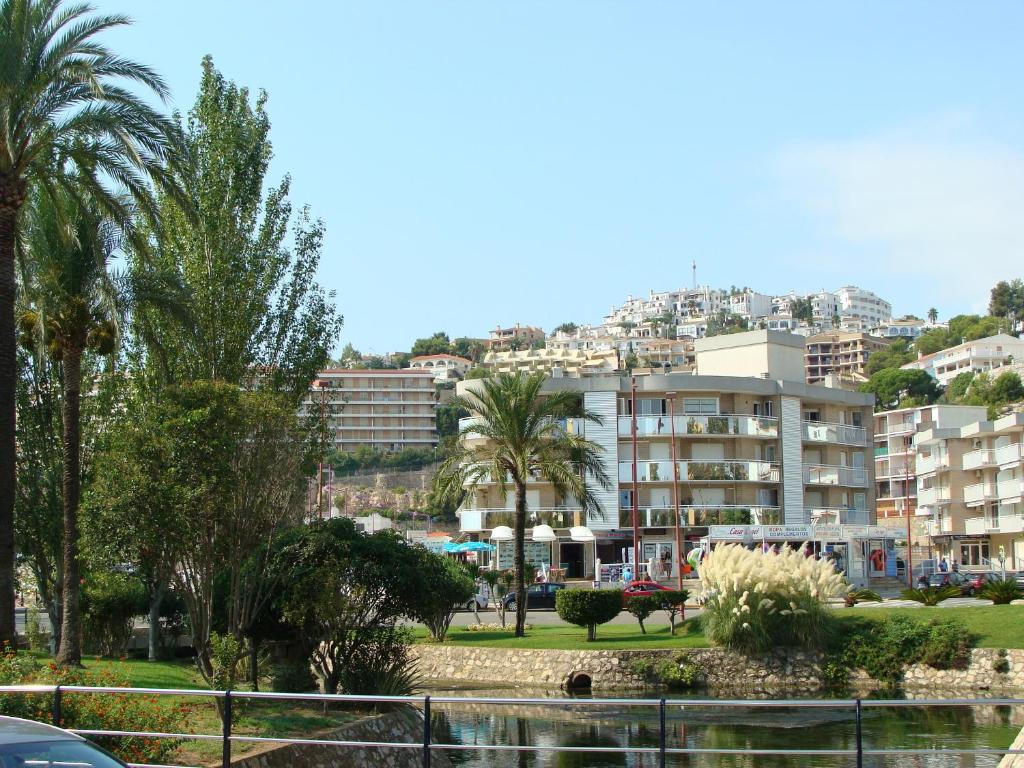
(12, 196)
(70, 653)
(156, 598)
(520, 559)
(254, 664)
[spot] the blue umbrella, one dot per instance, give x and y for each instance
(474, 546)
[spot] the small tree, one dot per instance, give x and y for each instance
(443, 586)
(673, 602)
(588, 607)
(500, 584)
(1001, 592)
(642, 606)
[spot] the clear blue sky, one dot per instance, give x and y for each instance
(480, 163)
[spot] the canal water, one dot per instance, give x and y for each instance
(553, 726)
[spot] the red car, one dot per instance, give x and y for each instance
(644, 588)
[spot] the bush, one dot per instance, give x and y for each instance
(642, 607)
(444, 585)
(673, 602)
(588, 607)
(931, 596)
(758, 601)
(677, 673)
(104, 711)
(854, 596)
(292, 677)
(947, 646)
(1001, 592)
(110, 603)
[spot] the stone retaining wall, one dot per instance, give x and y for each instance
(989, 670)
(403, 726)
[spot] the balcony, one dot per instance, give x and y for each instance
(929, 497)
(701, 471)
(724, 425)
(485, 519)
(571, 426)
(1009, 490)
(823, 474)
(979, 493)
(838, 516)
(900, 429)
(691, 516)
(841, 434)
(983, 457)
(1008, 454)
(926, 465)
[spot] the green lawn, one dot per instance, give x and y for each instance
(568, 637)
(997, 626)
(180, 673)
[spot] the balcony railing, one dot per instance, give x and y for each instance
(1009, 489)
(823, 474)
(724, 425)
(664, 517)
(572, 426)
(983, 457)
(838, 516)
(900, 429)
(928, 464)
(929, 497)
(843, 434)
(1008, 454)
(701, 471)
(980, 493)
(484, 519)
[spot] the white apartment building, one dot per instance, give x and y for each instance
(749, 305)
(974, 504)
(387, 410)
(758, 453)
(975, 356)
(686, 302)
(860, 310)
(444, 367)
(900, 329)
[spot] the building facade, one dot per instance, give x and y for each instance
(516, 337)
(749, 450)
(444, 367)
(839, 352)
(861, 310)
(978, 356)
(386, 410)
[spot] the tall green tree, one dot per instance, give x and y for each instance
(438, 344)
(247, 264)
(76, 302)
(1007, 299)
(523, 437)
(895, 386)
(73, 116)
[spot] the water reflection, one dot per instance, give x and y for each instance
(554, 726)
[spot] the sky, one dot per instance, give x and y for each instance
(485, 163)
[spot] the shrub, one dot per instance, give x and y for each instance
(1001, 592)
(947, 646)
(1002, 663)
(110, 603)
(292, 677)
(854, 596)
(444, 585)
(673, 602)
(677, 673)
(756, 601)
(38, 640)
(588, 607)
(225, 653)
(642, 607)
(931, 596)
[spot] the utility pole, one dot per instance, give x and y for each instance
(636, 511)
(906, 509)
(675, 491)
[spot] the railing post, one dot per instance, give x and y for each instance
(58, 714)
(226, 729)
(860, 742)
(426, 732)
(661, 734)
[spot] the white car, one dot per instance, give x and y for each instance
(28, 743)
(481, 598)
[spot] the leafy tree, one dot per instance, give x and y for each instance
(349, 357)
(641, 607)
(1007, 388)
(588, 607)
(896, 354)
(442, 586)
(802, 308)
(477, 373)
(73, 116)
(438, 344)
(565, 328)
(448, 416)
(891, 385)
(472, 349)
(1007, 299)
(523, 438)
(958, 388)
(254, 303)
(75, 301)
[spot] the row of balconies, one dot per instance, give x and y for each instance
(997, 523)
(738, 425)
(992, 457)
(738, 471)
(984, 491)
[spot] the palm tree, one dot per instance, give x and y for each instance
(75, 303)
(518, 435)
(933, 315)
(67, 121)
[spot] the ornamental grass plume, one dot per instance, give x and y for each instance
(755, 601)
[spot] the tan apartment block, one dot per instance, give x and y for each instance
(844, 353)
(516, 337)
(387, 410)
(561, 362)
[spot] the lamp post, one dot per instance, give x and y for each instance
(675, 491)
(906, 508)
(636, 512)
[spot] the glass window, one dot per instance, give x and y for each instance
(651, 407)
(700, 405)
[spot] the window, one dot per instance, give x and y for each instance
(700, 405)
(651, 407)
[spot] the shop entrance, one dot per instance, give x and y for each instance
(974, 553)
(570, 556)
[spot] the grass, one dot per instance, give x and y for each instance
(997, 626)
(610, 637)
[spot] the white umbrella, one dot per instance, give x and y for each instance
(502, 533)
(544, 533)
(581, 533)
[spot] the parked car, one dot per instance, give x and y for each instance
(980, 579)
(956, 579)
(24, 743)
(481, 599)
(538, 596)
(641, 588)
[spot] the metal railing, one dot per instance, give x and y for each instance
(426, 745)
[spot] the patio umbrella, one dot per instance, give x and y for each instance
(474, 546)
(543, 533)
(502, 533)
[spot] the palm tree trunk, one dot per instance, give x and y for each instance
(520, 559)
(12, 195)
(70, 652)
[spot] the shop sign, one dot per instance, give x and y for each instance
(760, 532)
(828, 532)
